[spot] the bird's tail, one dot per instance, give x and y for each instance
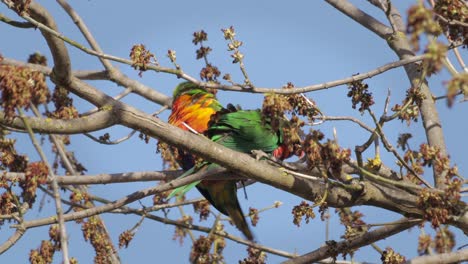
(237, 216)
(224, 198)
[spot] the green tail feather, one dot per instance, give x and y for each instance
(180, 191)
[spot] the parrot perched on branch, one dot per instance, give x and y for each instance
(197, 110)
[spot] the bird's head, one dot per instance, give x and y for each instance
(190, 89)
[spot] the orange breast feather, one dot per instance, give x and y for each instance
(195, 113)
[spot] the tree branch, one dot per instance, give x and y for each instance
(12, 240)
(334, 248)
(399, 44)
(119, 203)
(114, 73)
(94, 122)
(55, 188)
(452, 257)
(362, 18)
(103, 178)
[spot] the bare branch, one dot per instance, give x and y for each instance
(55, 188)
(94, 122)
(348, 118)
(334, 248)
(400, 45)
(81, 74)
(104, 178)
(119, 203)
(12, 240)
(114, 73)
(361, 17)
(15, 23)
(452, 257)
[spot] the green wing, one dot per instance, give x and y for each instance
(244, 131)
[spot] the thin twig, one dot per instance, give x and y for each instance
(346, 118)
(18, 24)
(391, 149)
(128, 210)
(55, 188)
(137, 195)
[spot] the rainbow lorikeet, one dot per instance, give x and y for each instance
(239, 130)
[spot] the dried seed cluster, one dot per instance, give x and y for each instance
(302, 210)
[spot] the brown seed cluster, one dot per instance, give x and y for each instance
(63, 103)
(254, 216)
(21, 87)
(359, 93)
(199, 37)
(444, 240)
(202, 208)
(93, 228)
(456, 14)
(180, 232)
(276, 105)
(200, 253)
(424, 244)
(141, 57)
(170, 155)
(437, 208)
(353, 222)
(421, 20)
(302, 210)
(402, 141)
(255, 256)
(436, 53)
(328, 157)
(391, 257)
(94, 232)
(36, 173)
(458, 84)
(45, 253)
(125, 238)
(210, 73)
(409, 109)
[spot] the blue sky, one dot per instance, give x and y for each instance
(307, 42)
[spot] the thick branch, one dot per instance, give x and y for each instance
(62, 64)
(362, 18)
(451, 257)
(93, 122)
(12, 240)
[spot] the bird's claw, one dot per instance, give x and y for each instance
(259, 154)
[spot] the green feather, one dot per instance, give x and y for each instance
(244, 131)
(180, 191)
